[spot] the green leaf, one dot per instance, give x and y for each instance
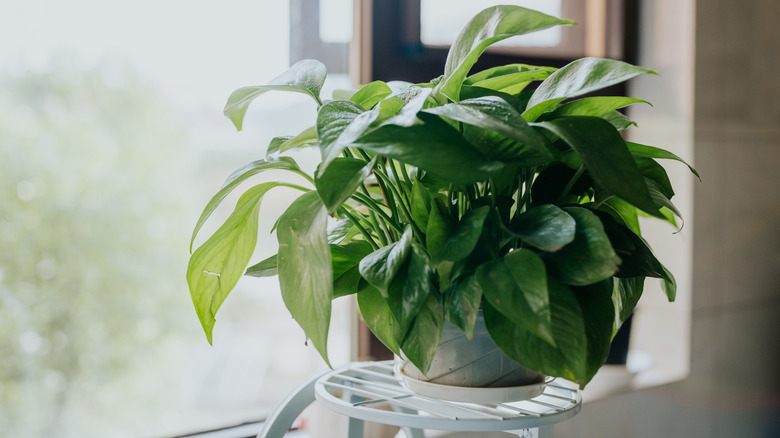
(265, 268)
(513, 83)
(341, 231)
(655, 172)
(516, 285)
(345, 260)
(305, 273)
(434, 147)
(348, 283)
(546, 227)
(344, 175)
(462, 303)
(413, 100)
(584, 76)
(618, 120)
(420, 204)
(450, 240)
(568, 359)
(495, 114)
(370, 94)
(422, 339)
(215, 267)
(339, 124)
(487, 27)
(280, 145)
(625, 295)
(379, 319)
(381, 266)
(643, 151)
(623, 212)
(241, 175)
(440, 227)
(596, 106)
(596, 302)
(589, 258)
(411, 287)
(306, 76)
(506, 70)
(606, 157)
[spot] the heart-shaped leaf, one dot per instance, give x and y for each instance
(584, 76)
(339, 124)
(306, 76)
(462, 303)
(433, 146)
(370, 94)
(590, 258)
(487, 27)
(420, 343)
(516, 285)
(546, 227)
(305, 272)
(606, 157)
(216, 266)
(379, 319)
(381, 266)
(625, 295)
(596, 303)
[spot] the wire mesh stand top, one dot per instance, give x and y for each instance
(370, 391)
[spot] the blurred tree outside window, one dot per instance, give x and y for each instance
(112, 140)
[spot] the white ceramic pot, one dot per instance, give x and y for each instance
(474, 363)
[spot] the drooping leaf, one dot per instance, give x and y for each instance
(487, 27)
(584, 76)
(590, 258)
(654, 171)
(513, 83)
(216, 266)
(596, 302)
(305, 273)
(625, 295)
(497, 115)
(506, 70)
(379, 319)
(546, 227)
(568, 358)
(433, 146)
(241, 175)
(339, 124)
(516, 286)
(306, 76)
(411, 287)
(623, 212)
(618, 120)
(420, 343)
(643, 151)
(344, 175)
(462, 304)
(606, 157)
(370, 94)
(265, 268)
(308, 137)
(596, 106)
(448, 240)
(420, 204)
(440, 226)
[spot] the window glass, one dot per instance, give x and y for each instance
(441, 21)
(112, 140)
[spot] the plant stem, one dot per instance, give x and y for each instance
(356, 223)
(371, 204)
(571, 183)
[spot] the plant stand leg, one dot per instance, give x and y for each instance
(280, 421)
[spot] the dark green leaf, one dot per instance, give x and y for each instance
(306, 76)
(420, 204)
(411, 286)
(423, 337)
(241, 175)
(266, 268)
(567, 359)
(440, 227)
(618, 120)
(546, 227)
(497, 115)
(434, 147)
(462, 303)
(589, 258)
(513, 83)
(642, 151)
(626, 294)
(516, 285)
(623, 212)
(348, 283)
(606, 157)
(504, 70)
(305, 273)
(381, 266)
(342, 177)
(280, 145)
(339, 124)
(379, 319)
(370, 94)
(596, 302)
(489, 26)
(215, 267)
(654, 171)
(584, 76)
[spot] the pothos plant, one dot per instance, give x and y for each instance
(502, 190)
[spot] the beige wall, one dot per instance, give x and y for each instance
(733, 389)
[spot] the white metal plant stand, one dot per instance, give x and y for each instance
(369, 391)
